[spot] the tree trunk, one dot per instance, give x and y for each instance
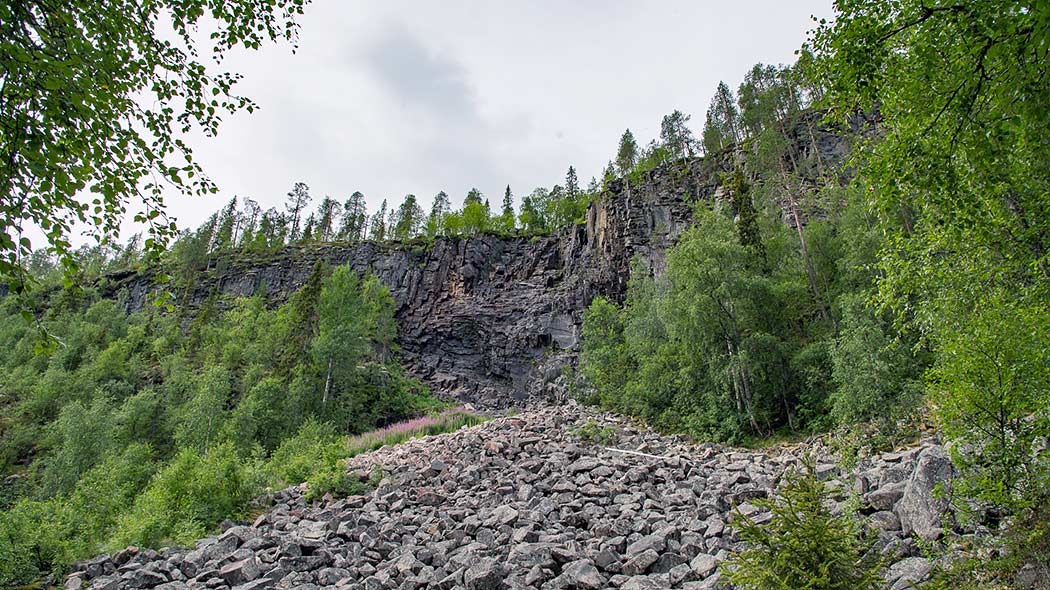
(327, 384)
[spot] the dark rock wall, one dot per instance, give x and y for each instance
(493, 320)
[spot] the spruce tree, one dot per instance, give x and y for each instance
(627, 153)
(572, 184)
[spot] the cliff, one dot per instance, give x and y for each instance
(493, 320)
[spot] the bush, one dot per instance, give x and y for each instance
(599, 435)
(314, 448)
(37, 537)
(805, 546)
(191, 494)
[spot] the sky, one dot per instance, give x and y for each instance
(400, 97)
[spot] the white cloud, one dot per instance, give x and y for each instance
(416, 97)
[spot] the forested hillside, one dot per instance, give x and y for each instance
(912, 283)
(150, 428)
(897, 288)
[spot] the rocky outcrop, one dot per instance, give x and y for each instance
(489, 320)
(494, 320)
(560, 497)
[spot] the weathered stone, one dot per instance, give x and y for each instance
(907, 572)
(240, 572)
(486, 574)
(655, 542)
(922, 507)
(582, 574)
(886, 497)
(640, 563)
(645, 583)
(656, 523)
(703, 565)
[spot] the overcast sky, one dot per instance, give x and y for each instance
(404, 97)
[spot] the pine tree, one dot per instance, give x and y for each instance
(593, 187)
(409, 219)
(298, 199)
(354, 213)
(250, 219)
(223, 237)
(721, 128)
(326, 216)
(676, 136)
(438, 211)
(309, 228)
(378, 230)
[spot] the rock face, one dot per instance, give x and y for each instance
(493, 320)
(515, 503)
(489, 320)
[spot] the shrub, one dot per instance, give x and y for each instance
(804, 546)
(591, 432)
(314, 448)
(191, 494)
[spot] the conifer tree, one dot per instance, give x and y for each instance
(627, 153)
(354, 213)
(224, 227)
(722, 125)
(409, 219)
(438, 210)
(298, 199)
(326, 216)
(377, 231)
(249, 223)
(506, 219)
(676, 136)
(309, 228)
(572, 184)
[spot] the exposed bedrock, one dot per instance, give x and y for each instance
(493, 320)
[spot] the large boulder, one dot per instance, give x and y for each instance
(925, 502)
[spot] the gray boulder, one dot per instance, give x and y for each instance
(923, 506)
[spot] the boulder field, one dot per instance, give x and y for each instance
(556, 497)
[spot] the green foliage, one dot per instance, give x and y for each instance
(626, 153)
(991, 384)
(959, 183)
(82, 438)
(80, 145)
(713, 347)
(188, 496)
(36, 536)
(316, 447)
(605, 357)
(593, 433)
(804, 546)
(721, 127)
(134, 431)
(876, 377)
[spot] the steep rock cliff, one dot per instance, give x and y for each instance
(494, 320)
